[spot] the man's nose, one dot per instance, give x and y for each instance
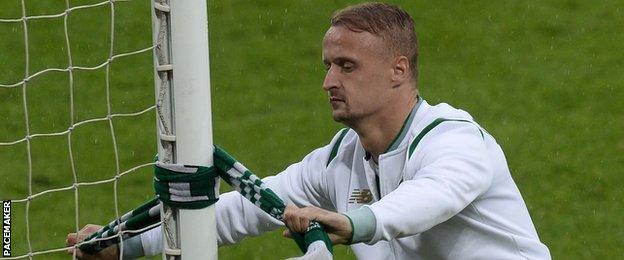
(331, 79)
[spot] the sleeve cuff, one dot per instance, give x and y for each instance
(363, 223)
(132, 248)
(151, 242)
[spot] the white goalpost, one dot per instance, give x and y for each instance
(182, 112)
(184, 115)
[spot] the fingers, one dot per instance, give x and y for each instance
(87, 231)
(303, 224)
(75, 238)
(292, 218)
(90, 228)
(298, 220)
(336, 225)
(71, 239)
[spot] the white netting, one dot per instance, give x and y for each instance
(27, 135)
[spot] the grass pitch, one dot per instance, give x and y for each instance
(544, 77)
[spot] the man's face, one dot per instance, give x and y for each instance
(359, 74)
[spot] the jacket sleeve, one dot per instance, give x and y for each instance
(302, 184)
(236, 218)
(454, 170)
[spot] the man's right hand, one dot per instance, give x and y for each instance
(337, 226)
(111, 252)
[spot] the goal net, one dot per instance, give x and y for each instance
(77, 137)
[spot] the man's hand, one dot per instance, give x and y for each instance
(111, 252)
(337, 226)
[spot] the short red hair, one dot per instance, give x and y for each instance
(394, 25)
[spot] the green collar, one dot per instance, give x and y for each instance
(404, 129)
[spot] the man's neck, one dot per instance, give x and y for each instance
(377, 133)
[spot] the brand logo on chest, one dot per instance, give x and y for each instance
(361, 196)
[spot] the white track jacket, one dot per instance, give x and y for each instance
(442, 191)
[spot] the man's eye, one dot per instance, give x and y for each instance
(347, 66)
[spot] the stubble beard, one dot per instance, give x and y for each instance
(344, 116)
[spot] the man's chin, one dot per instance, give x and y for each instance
(337, 116)
(341, 117)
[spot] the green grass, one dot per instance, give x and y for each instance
(544, 77)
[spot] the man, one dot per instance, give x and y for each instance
(406, 180)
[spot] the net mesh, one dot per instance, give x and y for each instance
(83, 110)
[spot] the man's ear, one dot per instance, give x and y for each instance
(401, 70)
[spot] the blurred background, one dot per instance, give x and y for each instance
(545, 78)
